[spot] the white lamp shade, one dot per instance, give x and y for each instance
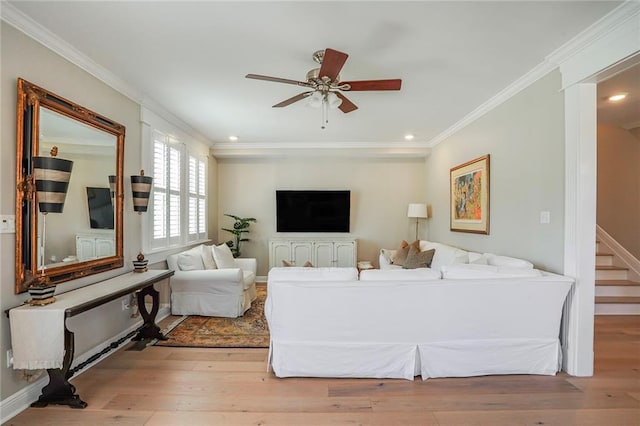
(417, 210)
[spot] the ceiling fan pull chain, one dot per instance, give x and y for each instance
(325, 111)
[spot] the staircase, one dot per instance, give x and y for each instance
(616, 294)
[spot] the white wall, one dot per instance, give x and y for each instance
(618, 210)
(525, 139)
(381, 190)
(22, 57)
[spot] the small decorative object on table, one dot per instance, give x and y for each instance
(364, 264)
(41, 294)
(140, 264)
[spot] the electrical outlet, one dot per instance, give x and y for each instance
(125, 304)
(9, 358)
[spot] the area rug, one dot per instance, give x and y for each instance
(247, 331)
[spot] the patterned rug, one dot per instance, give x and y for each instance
(247, 331)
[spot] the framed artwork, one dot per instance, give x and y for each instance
(469, 186)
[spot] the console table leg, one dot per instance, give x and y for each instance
(149, 329)
(59, 391)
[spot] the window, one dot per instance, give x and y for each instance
(179, 194)
(197, 199)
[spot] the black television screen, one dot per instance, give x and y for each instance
(100, 208)
(312, 211)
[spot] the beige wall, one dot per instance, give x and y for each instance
(381, 190)
(525, 138)
(23, 57)
(618, 211)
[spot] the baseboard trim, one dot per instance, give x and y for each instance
(21, 400)
(620, 252)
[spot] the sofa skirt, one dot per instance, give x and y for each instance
(465, 358)
(364, 360)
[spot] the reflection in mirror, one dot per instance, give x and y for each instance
(86, 238)
(88, 214)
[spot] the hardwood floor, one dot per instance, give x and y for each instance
(184, 386)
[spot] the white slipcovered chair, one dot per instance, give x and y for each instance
(208, 281)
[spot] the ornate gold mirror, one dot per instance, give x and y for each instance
(85, 237)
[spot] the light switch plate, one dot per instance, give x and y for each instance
(545, 216)
(7, 224)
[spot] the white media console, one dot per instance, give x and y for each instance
(321, 252)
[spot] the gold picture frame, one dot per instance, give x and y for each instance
(469, 196)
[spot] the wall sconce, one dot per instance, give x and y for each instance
(51, 176)
(417, 211)
(112, 186)
(141, 190)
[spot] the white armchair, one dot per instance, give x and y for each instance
(225, 291)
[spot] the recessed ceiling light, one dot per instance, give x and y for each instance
(618, 97)
(233, 138)
(408, 137)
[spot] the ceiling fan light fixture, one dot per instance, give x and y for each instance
(333, 100)
(315, 100)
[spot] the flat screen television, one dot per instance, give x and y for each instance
(100, 208)
(313, 210)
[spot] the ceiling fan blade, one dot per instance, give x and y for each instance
(289, 101)
(278, 80)
(332, 63)
(346, 105)
(393, 84)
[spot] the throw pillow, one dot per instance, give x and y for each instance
(418, 259)
(223, 257)
(511, 262)
(477, 258)
(287, 264)
(478, 272)
(401, 253)
(191, 260)
(307, 264)
(207, 257)
(388, 255)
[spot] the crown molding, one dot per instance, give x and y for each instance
(606, 25)
(14, 17)
(356, 150)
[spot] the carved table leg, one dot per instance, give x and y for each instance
(149, 329)
(59, 391)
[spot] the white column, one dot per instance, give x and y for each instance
(580, 225)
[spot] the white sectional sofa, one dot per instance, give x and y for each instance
(391, 323)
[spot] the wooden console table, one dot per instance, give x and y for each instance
(40, 337)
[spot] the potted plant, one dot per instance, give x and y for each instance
(241, 226)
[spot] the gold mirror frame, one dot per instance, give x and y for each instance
(30, 99)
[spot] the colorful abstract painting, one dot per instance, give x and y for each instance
(470, 196)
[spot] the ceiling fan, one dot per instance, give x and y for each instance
(325, 85)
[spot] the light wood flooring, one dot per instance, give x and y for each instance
(184, 386)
